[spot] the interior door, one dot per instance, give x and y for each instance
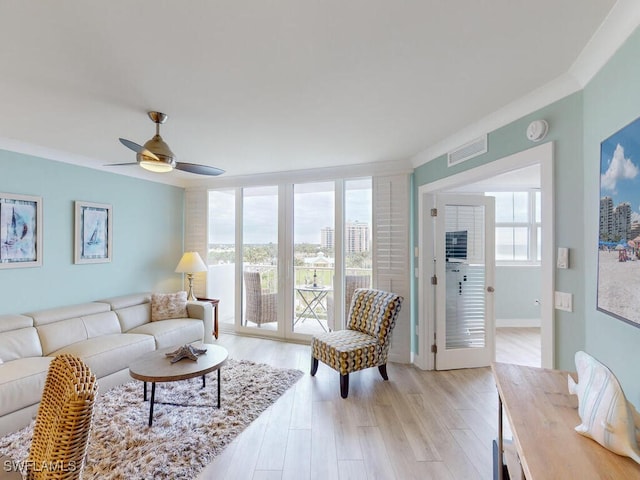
(465, 272)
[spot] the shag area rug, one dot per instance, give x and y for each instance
(188, 429)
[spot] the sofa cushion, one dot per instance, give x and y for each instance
(101, 324)
(173, 332)
(21, 382)
(124, 301)
(20, 343)
(54, 336)
(168, 305)
(108, 354)
(134, 316)
(43, 317)
(13, 322)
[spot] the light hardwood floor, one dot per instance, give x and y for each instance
(419, 424)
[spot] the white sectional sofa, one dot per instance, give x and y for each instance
(107, 334)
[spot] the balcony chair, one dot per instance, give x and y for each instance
(365, 342)
(63, 422)
(351, 282)
(260, 307)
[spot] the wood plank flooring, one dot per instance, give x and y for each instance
(419, 424)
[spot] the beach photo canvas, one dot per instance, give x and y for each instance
(20, 231)
(93, 233)
(619, 225)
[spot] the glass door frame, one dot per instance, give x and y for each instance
(285, 269)
(464, 357)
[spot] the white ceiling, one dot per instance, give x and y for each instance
(266, 86)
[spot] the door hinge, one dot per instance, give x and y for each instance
(434, 280)
(434, 212)
(434, 348)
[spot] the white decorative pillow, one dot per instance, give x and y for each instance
(607, 417)
(168, 305)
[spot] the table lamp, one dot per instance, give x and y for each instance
(191, 263)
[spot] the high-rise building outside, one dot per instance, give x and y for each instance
(358, 237)
(327, 238)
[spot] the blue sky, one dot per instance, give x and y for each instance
(620, 167)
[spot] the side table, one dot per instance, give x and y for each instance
(214, 302)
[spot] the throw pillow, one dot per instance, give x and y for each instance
(607, 417)
(168, 305)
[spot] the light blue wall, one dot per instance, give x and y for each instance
(517, 289)
(147, 235)
(565, 130)
(578, 123)
(611, 101)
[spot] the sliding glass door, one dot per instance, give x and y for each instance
(289, 261)
(260, 258)
(313, 256)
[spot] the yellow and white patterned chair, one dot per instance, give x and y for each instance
(366, 341)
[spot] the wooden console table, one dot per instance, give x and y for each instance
(542, 415)
(214, 302)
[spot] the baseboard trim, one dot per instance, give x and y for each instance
(517, 322)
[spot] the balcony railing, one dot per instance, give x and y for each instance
(221, 282)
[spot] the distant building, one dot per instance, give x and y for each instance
(606, 217)
(615, 222)
(358, 237)
(327, 238)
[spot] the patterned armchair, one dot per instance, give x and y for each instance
(366, 341)
(260, 307)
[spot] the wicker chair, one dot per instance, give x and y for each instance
(366, 341)
(351, 282)
(260, 307)
(61, 432)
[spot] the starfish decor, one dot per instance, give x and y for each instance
(186, 351)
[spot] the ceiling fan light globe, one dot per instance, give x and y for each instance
(154, 165)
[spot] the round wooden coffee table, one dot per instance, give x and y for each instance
(157, 367)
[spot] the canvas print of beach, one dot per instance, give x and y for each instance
(619, 226)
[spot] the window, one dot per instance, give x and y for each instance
(518, 226)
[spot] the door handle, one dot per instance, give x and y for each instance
(490, 289)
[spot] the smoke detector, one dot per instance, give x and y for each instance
(537, 130)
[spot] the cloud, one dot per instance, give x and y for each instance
(619, 168)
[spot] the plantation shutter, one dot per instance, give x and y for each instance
(195, 237)
(391, 253)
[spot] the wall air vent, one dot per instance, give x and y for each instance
(468, 150)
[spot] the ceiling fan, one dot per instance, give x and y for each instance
(156, 156)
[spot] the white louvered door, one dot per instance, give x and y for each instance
(465, 265)
(391, 254)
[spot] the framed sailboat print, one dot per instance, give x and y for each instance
(20, 231)
(94, 233)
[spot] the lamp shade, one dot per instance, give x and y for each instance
(191, 263)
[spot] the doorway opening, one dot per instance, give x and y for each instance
(524, 339)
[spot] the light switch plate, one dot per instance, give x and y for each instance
(563, 257)
(563, 301)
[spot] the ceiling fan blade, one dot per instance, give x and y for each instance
(198, 169)
(138, 148)
(119, 164)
